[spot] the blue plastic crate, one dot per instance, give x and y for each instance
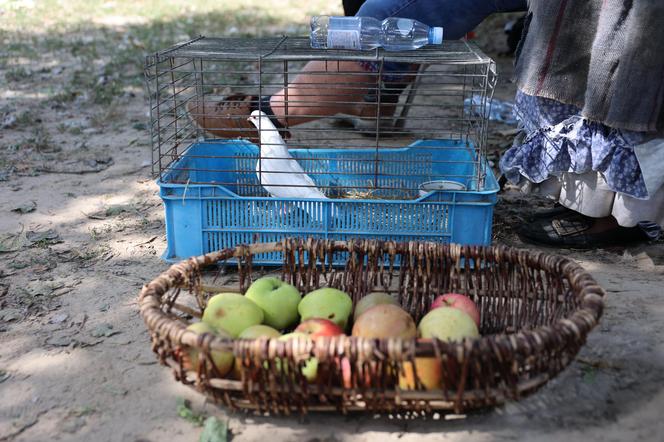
(201, 218)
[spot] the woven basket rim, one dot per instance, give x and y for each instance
(578, 324)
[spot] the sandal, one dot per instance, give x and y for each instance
(228, 118)
(571, 230)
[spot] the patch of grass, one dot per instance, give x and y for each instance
(64, 96)
(92, 51)
(104, 93)
(40, 141)
(110, 113)
(185, 412)
(82, 411)
(42, 244)
(10, 148)
(18, 264)
(98, 233)
(18, 74)
(85, 254)
(84, 49)
(95, 235)
(19, 46)
(27, 118)
(70, 129)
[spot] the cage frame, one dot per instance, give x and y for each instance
(287, 50)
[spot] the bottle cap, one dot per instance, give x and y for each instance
(436, 36)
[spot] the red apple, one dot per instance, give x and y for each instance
(320, 327)
(347, 374)
(317, 327)
(461, 302)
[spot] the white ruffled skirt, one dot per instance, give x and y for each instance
(589, 195)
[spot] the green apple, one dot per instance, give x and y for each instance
(232, 312)
(277, 299)
(448, 324)
(327, 303)
(253, 332)
(375, 298)
(310, 368)
(223, 360)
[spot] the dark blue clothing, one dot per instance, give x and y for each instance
(457, 17)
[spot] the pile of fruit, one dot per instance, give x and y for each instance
(271, 306)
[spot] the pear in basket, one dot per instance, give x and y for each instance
(379, 321)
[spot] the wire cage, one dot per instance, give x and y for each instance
(379, 144)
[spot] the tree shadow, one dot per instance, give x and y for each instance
(82, 91)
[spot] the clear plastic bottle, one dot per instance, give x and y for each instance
(363, 33)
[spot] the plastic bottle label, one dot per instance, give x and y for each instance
(343, 39)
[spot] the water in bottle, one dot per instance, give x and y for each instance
(363, 33)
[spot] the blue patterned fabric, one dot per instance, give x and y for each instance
(559, 140)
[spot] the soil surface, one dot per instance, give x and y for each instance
(82, 229)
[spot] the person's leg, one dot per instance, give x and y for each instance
(590, 195)
(587, 194)
(592, 215)
(330, 88)
(351, 6)
(456, 17)
(324, 89)
(630, 211)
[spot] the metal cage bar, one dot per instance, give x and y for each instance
(435, 93)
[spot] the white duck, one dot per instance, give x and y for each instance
(278, 172)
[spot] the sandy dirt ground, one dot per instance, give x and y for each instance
(83, 230)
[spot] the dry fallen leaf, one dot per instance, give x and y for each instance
(28, 207)
(104, 330)
(11, 242)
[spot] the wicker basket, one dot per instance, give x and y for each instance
(536, 311)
